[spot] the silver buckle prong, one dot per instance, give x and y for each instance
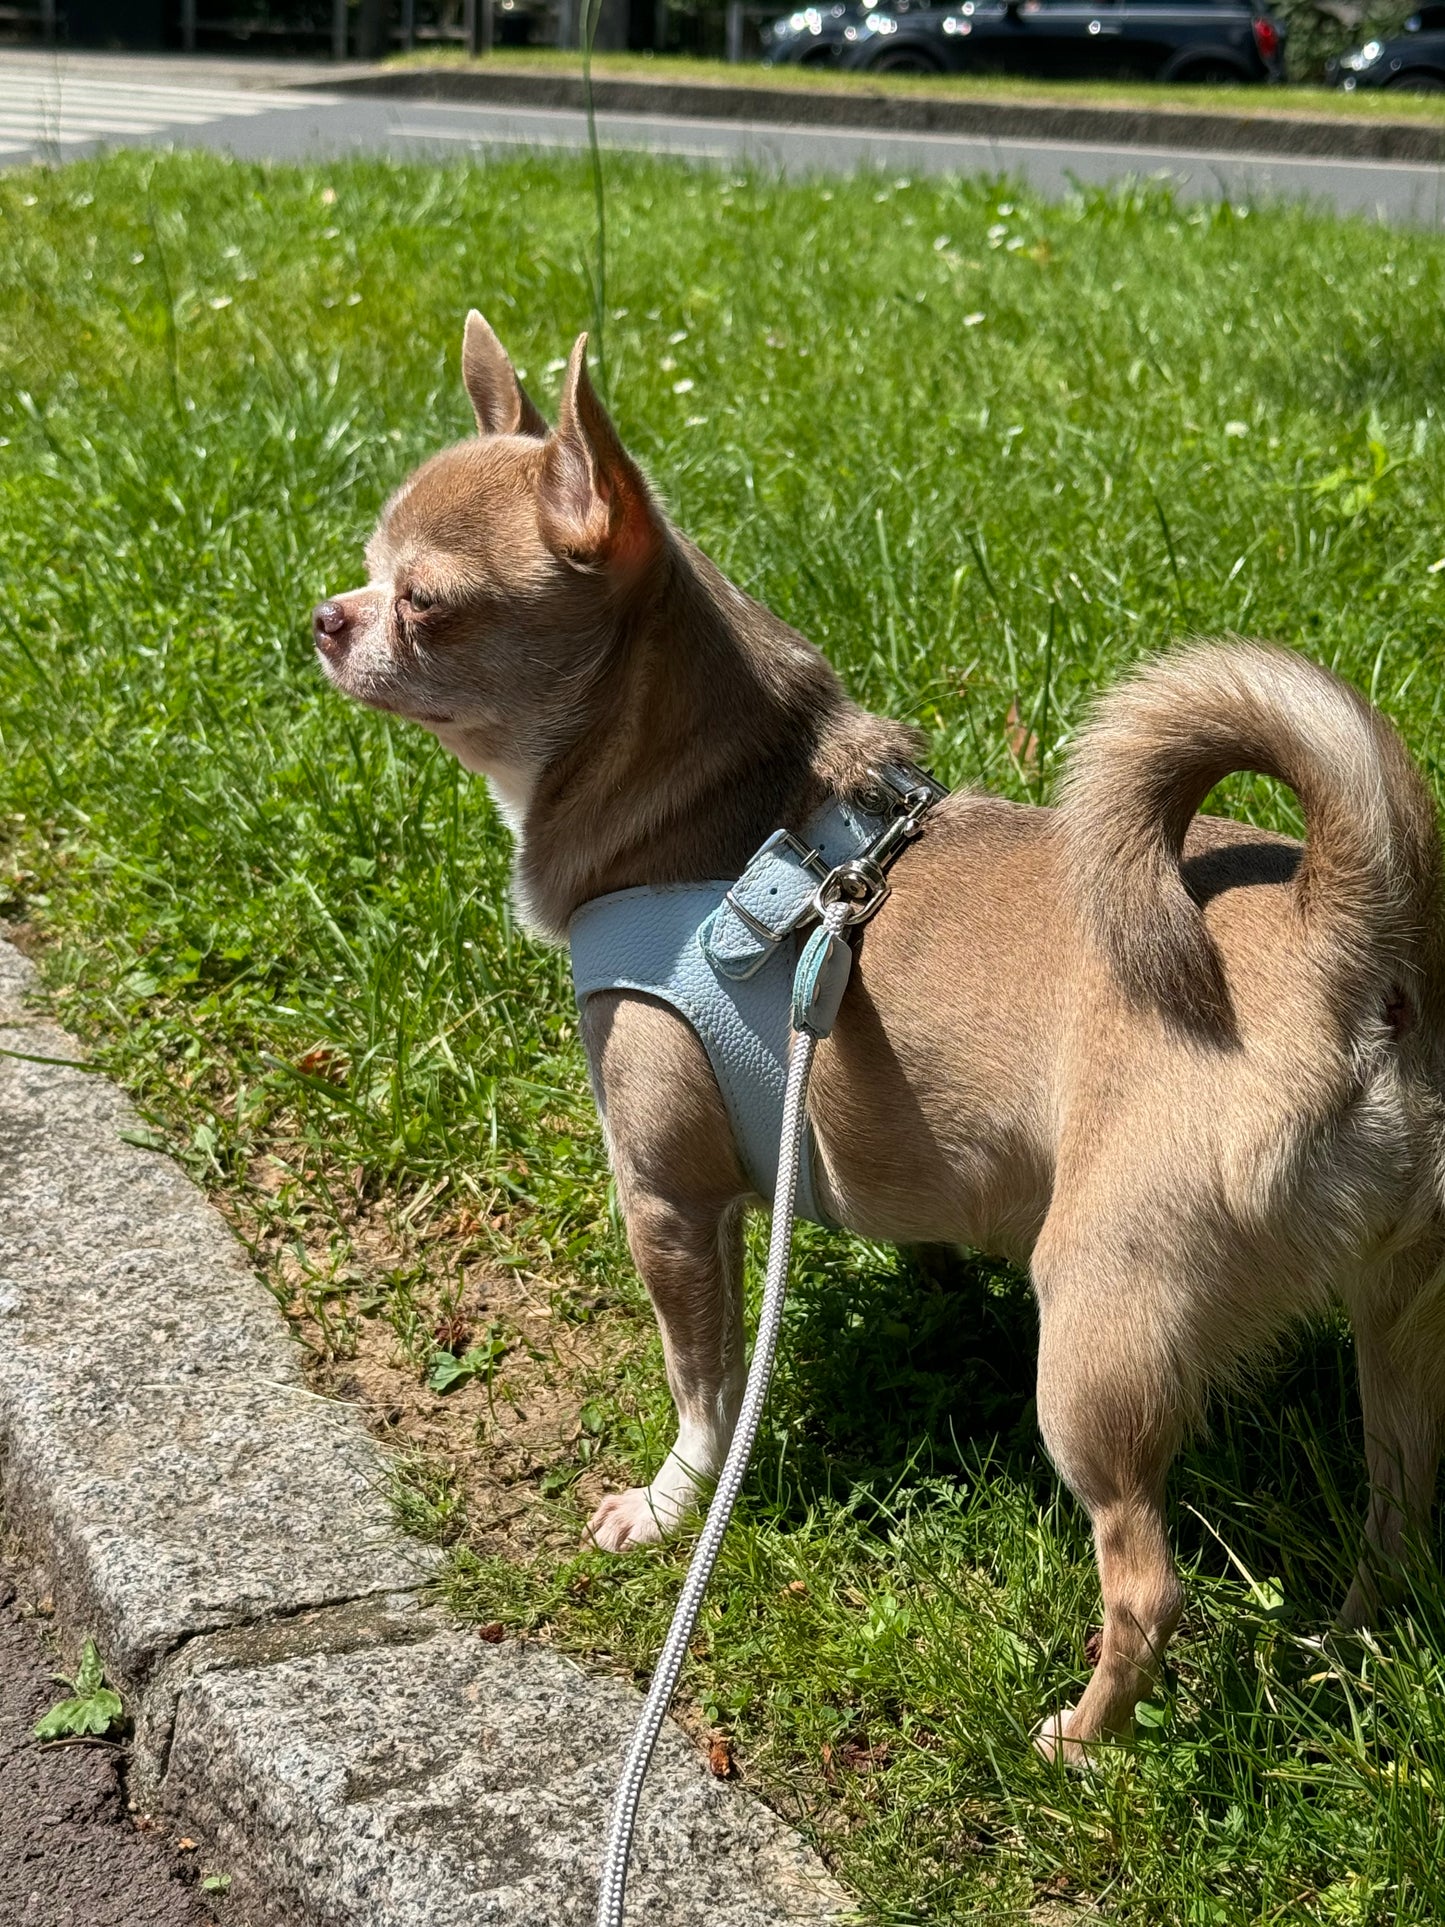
(810, 861)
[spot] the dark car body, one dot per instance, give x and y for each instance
(1413, 61)
(1183, 40)
(813, 36)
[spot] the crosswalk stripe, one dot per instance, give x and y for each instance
(172, 101)
(47, 112)
(62, 112)
(43, 113)
(68, 103)
(165, 98)
(69, 136)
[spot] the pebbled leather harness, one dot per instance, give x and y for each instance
(724, 954)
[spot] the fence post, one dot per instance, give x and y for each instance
(338, 29)
(373, 35)
(567, 17)
(408, 24)
(735, 30)
(478, 21)
(188, 25)
(47, 21)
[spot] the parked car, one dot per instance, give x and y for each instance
(813, 37)
(1175, 40)
(1413, 61)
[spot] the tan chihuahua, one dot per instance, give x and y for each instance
(1187, 1072)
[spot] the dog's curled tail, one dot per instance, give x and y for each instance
(1365, 890)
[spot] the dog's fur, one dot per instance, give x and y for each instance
(1189, 1073)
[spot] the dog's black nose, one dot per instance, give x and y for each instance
(329, 625)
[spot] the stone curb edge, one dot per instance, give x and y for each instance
(348, 1754)
(1195, 130)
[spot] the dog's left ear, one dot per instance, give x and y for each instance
(501, 404)
(597, 510)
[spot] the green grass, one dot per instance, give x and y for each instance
(955, 434)
(1272, 103)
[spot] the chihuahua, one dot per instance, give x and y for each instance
(1189, 1074)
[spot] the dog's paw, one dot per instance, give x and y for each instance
(1055, 1742)
(624, 1521)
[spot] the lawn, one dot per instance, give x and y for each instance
(984, 450)
(1274, 103)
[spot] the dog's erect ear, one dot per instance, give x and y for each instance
(501, 404)
(596, 508)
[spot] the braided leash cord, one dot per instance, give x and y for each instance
(612, 1897)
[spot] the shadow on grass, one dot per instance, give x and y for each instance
(920, 1366)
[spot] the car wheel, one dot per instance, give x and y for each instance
(1208, 73)
(818, 57)
(1418, 84)
(904, 60)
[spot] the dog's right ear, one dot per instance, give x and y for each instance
(501, 405)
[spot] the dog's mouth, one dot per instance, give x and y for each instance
(428, 718)
(373, 699)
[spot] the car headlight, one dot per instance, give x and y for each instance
(1366, 57)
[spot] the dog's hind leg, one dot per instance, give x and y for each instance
(1401, 1360)
(1109, 1413)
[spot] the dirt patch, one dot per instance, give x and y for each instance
(71, 1852)
(479, 1374)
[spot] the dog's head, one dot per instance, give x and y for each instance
(495, 572)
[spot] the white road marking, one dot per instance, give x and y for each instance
(57, 111)
(540, 139)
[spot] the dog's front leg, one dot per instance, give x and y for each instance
(682, 1190)
(692, 1267)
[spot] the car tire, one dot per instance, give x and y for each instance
(904, 60)
(1420, 83)
(1207, 73)
(818, 57)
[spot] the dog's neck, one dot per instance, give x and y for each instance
(708, 724)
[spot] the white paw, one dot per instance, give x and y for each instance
(625, 1520)
(1054, 1742)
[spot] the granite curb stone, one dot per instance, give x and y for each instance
(350, 1756)
(162, 1454)
(1190, 129)
(459, 1783)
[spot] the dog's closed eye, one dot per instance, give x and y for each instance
(416, 601)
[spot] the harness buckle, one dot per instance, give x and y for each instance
(808, 860)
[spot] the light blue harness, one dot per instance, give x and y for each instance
(724, 955)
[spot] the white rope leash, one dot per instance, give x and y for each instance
(612, 1897)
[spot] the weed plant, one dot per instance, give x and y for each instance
(986, 452)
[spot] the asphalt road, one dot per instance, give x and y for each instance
(49, 110)
(71, 1852)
